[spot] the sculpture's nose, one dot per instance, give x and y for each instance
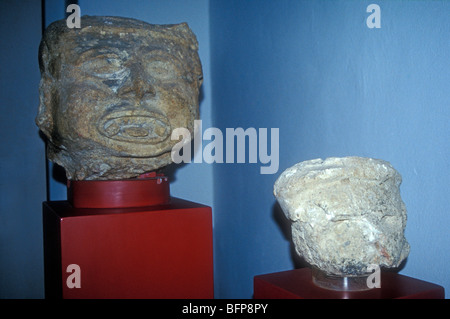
(138, 84)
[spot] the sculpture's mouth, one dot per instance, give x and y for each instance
(142, 127)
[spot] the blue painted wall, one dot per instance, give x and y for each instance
(334, 87)
(22, 155)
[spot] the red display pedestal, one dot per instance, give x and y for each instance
(158, 251)
(297, 284)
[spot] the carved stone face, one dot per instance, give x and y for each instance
(112, 92)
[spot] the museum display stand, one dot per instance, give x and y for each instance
(298, 284)
(127, 239)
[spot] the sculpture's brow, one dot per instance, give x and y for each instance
(93, 53)
(157, 54)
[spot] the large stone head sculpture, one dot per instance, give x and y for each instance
(112, 92)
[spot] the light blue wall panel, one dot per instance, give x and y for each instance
(334, 87)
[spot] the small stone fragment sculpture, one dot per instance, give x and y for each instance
(112, 92)
(346, 213)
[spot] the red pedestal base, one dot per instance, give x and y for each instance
(160, 251)
(147, 190)
(297, 284)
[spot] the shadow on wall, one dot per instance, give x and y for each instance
(285, 227)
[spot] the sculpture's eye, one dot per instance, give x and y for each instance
(106, 67)
(162, 70)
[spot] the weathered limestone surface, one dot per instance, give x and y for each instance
(112, 92)
(346, 213)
